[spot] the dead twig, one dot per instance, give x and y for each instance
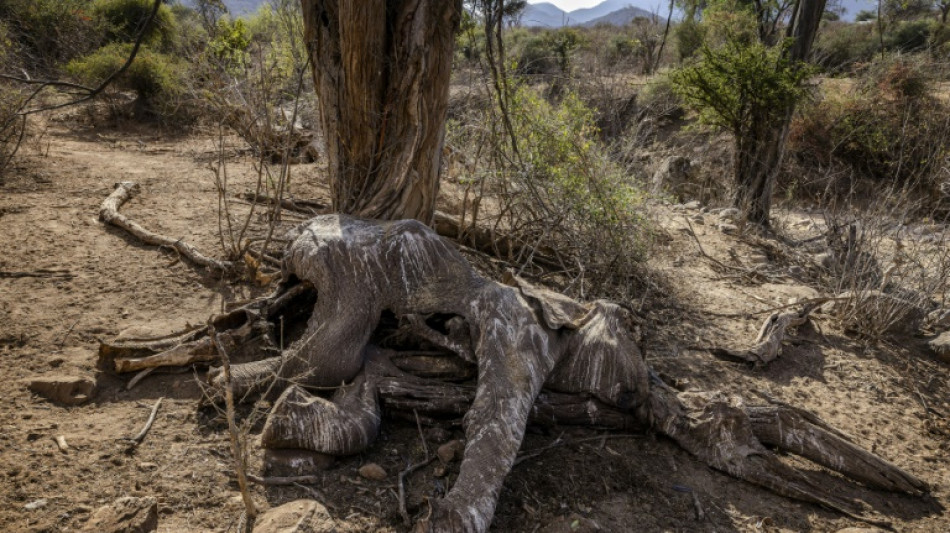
(135, 441)
(236, 449)
(402, 487)
(559, 442)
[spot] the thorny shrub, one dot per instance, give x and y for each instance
(553, 196)
(155, 78)
(889, 273)
(891, 129)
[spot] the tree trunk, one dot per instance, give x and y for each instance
(758, 158)
(759, 152)
(381, 69)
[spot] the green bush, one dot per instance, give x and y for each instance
(124, 18)
(842, 46)
(47, 33)
(740, 81)
(596, 211)
(908, 36)
(689, 36)
(622, 49)
(155, 78)
(545, 51)
(891, 129)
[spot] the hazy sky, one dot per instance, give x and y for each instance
(569, 5)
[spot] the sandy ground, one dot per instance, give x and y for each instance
(48, 209)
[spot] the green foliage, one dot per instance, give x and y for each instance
(569, 172)
(739, 82)
(48, 32)
(891, 129)
(908, 36)
(545, 51)
(156, 78)
(621, 49)
(230, 42)
(689, 36)
(841, 46)
(124, 19)
(470, 39)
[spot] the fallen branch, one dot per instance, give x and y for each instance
(200, 351)
(278, 481)
(306, 207)
(135, 441)
(768, 345)
(109, 213)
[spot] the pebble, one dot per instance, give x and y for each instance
(373, 472)
(36, 504)
(450, 451)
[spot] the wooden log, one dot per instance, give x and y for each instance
(109, 213)
(200, 351)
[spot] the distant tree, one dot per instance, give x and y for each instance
(752, 87)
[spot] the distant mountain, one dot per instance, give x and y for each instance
(616, 12)
(603, 9)
(236, 7)
(622, 17)
(544, 14)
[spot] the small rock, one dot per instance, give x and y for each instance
(36, 504)
(796, 271)
(941, 346)
(68, 390)
(146, 467)
(450, 451)
(299, 516)
(692, 205)
(678, 207)
(698, 219)
(373, 471)
(728, 229)
(125, 515)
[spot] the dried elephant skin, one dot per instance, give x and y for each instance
(522, 339)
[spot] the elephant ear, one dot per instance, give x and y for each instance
(557, 310)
